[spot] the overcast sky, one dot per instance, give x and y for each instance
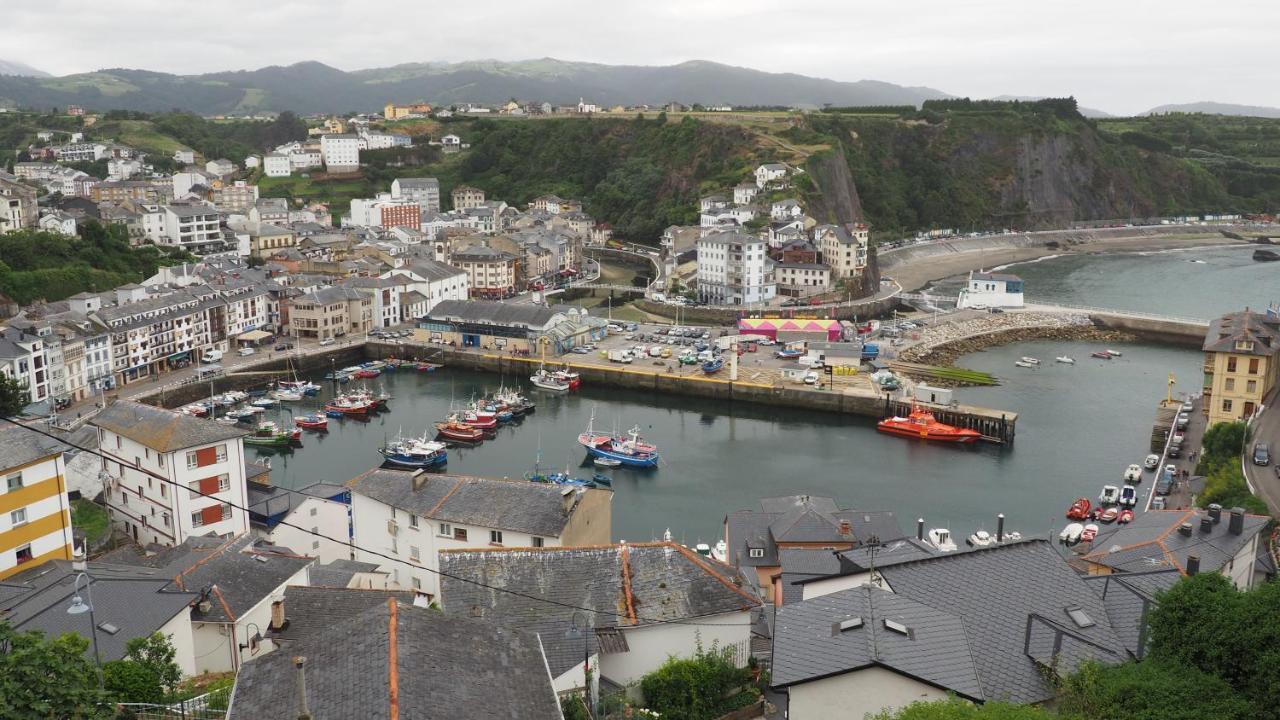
(1122, 56)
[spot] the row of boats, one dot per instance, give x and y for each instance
(375, 368)
(1030, 362)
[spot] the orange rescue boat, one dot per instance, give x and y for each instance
(921, 424)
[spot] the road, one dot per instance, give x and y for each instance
(1263, 480)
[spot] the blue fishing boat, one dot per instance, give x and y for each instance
(414, 453)
(628, 450)
(712, 367)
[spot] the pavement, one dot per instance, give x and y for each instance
(1263, 480)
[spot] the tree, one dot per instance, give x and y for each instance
(693, 688)
(156, 654)
(1222, 442)
(1151, 690)
(957, 709)
(42, 678)
(13, 396)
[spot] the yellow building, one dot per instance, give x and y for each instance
(35, 514)
(1241, 360)
(395, 112)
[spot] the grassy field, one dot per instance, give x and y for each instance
(140, 134)
(91, 518)
(337, 193)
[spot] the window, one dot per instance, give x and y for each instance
(24, 554)
(160, 460)
(446, 530)
(192, 461)
(165, 517)
(221, 453)
(1230, 385)
(1079, 616)
(224, 482)
(417, 584)
(1231, 364)
(755, 552)
(226, 511)
(495, 536)
(164, 491)
(315, 545)
(413, 522)
(18, 517)
(413, 552)
(14, 481)
(313, 512)
(537, 541)
(1251, 386)
(459, 533)
(1253, 366)
(197, 518)
(1226, 406)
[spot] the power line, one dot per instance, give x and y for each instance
(375, 553)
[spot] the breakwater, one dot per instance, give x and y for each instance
(946, 353)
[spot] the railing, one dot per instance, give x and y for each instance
(210, 706)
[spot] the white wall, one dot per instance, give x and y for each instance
(179, 632)
(818, 588)
(1240, 568)
(323, 516)
(651, 645)
(857, 694)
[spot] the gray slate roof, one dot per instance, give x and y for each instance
(310, 611)
(667, 582)
(484, 312)
(489, 672)
(1128, 598)
(1152, 541)
(936, 651)
(160, 429)
(338, 573)
(516, 505)
(801, 519)
(19, 446)
(1225, 331)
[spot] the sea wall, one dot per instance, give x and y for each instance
(1182, 333)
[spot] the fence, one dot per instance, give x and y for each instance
(210, 706)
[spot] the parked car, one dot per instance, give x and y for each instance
(245, 351)
(1164, 486)
(327, 341)
(1261, 454)
(811, 378)
(286, 345)
(580, 350)
(211, 356)
(1158, 503)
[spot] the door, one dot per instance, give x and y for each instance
(1248, 410)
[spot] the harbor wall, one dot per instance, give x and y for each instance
(1182, 333)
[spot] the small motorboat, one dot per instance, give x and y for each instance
(227, 420)
(1114, 353)
(601, 479)
(366, 373)
(1022, 364)
(457, 431)
(312, 421)
(981, 538)
(1079, 509)
(1101, 354)
(921, 424)
(1065, 360)
(713, 366)
(1107, 515)
(271, 435)
(1071, 533)
(1126, 516)
(1089, 533)
(1110, 495)
(1029, 360)
(605, 462)
(1133, 473)
(303, 387)
(1128, 496)
(287, 395)
(940, 538)
(263, 402)
(720, 551)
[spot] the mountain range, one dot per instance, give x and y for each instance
(8, 67)
(1217, 108)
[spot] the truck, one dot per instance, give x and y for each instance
(620, 356)
(870, 351)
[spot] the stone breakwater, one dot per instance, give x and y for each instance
(942, 344)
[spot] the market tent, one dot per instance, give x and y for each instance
(253, 336)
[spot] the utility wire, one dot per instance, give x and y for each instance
(384, 556)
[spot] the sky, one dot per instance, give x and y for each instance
(1121, 56)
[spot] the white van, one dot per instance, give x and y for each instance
(211, 356)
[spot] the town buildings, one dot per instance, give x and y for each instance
(341, 152)
(17, 206)
(1241, 363)
(490, 272)
(35, 514)
(423, 191)
(734, 269)
(522, 328)
(466, 197)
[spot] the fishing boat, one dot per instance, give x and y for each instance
(287, 395)
(606, 462)
(1065, 360)
(414, 452)
(263, 402)
(1101, 354)
(921, 424)
(312, 421)
(472, 419)
(569, 376)
(458, 431)
(347, 405)
(302, 387)
(548, 381)
(712, 367)
(629, 450)
(366, 373)
(1029, 360)
(270, 434)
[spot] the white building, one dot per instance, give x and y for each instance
(425, 283)
(988, 290)
(412, 516)
(22, 357)
(424, 191)
(745, 193)
(772, 175)
(194, 227)
(276, 165)
(221, 167)
(287, 518)
(184, 156)
(843, 250)
(801, 279)
(451, 141)
(305, 158)
(204, 456)
(341, 153)
(123, 169)
(788, 209)
(734, 269)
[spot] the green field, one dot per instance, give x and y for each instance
(90, 518)
(337, 193)
(140, 134)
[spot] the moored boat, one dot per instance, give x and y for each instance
(713, 366)
(287, 395)
(921, 424)
(270, 434)
(366, 373)
(348, 405)
(1020, 363)
(629, 450)
(1029, 360)
(414, 452)
(263, 402)
(569, 376)
(458, 431)
(548, 381)
(940, 538)
(1114, 353)
(1101, 354)
(1065, 360)
(605, 462)
(312, 421)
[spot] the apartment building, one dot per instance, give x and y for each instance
(35, 514)
(143, 444)
(1241, 363)
(466, 197)
(734, 269)
(424, 283)
(197, 227)
(151, 333)
(490, 272)
(18, 207)
(331, 313)
(120, 191)
(844, 250)
(424, 191)
(341, 152)
(22, 357)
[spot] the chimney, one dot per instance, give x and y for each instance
(277, 614)
(846, 528)
(1215, 512)
(919, 528)
(1206, 524)
(1193, 564)
(419, 478)
(1185, 529)
(1000, 527)
(1236, 524)
(301, 663)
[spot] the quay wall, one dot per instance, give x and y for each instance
(729, 316)
(1181, 333)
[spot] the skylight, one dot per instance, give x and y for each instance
(850, 624)
(1079, 616)
(895, 626)
(108, 628)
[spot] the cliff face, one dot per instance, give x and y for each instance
(832, 197)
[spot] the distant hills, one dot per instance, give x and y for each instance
(9, 67)
(312, 87)
(1217, 108)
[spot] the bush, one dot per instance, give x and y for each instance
(697, 688)
(130, 682)
(1152, 690)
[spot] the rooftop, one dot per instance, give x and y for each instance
(20, 446)
(1154, 541)
(1245, 333)
(525, 315)
(159, 429)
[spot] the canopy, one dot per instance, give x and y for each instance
(253, 336)
(770, 327)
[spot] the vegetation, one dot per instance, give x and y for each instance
(14, 395)
(42, 678)
(91, 519)
(35, 264)
(1220, 465)
(702, 687)
(1151, 690)
(957, 709)
(148, 673)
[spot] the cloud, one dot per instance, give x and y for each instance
(1121, 56)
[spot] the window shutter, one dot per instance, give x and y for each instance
(211, 514)
(206, 456)
(209, 485)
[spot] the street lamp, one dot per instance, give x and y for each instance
(79, 607)
(582, 625)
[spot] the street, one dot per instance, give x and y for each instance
(1263, 480)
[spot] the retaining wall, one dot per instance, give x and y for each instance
(1167, 332)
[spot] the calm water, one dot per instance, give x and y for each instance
(1079, 425)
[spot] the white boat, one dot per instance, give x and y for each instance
(981, 538)
(548, 381)
(1071, 533)
(1013, 536)
(702, 549)
(1030, 360)
(940, 538)
(1133, 474)
(287, 396)
(1065, 360)
(720, 551)
(227, 420)
(263, 402)
(1110, 495)
(604, 462)
(1114, 353)
(1020, 363)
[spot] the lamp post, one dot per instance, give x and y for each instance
(78, 607)
(582, 625)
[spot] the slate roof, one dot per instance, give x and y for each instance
(1128, 598)
(1152, 541)
(338, 573)
(310, 611)
(524, 315)
(355, 670)
(624, 586)
(1225, 331)
(801, 519)
(331, 296)
(19, 446)
(516, 505)
(994, 591)
(160, 429)
(138, 601)
(935, 650)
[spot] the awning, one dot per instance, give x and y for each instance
(180, 355)
(253, 336)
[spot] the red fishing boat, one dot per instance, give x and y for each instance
(314, 421)
(458, 431)
(481, 421)
(345, 405)
(1079, 509)
(921, 424)
(568, 376)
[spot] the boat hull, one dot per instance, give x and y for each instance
(945, 437)
(649, 461)
(411, 461)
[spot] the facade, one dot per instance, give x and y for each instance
(237, 197)
(801, 279)
(509, 326)
(490, 272)
(141, 442)
(424, 191)
(23, 358)
(1241, 363)
(277, 514)
(734, 269)
(991, 290)
(397, 112)
(331, 312)
(416, 515)
(18, 208)
(276, 165)
(341, 152)
(466, 197)
(844, 250)
(35, 514)
(433, 281)
(121, 191)
(771, 175)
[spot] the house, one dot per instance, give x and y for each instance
(35, 522)
(425, 283)
(351, 574)
(1242, 362)
(451, 141)
(745, 193)
(424, 191)
(196, 227)
(59, 222)
(150, 453)
(753, 538)
(416, 515)
(221, 167)
(466, 197)
(490, 272)
(184, 156)
(810, 572)
(331, 312)
(413, 662)
(789, 209)
(236, 580)
(995, 623)
(1189, 541)
(276, 514)
(385, 293)
(844, 250)
(397, 112)
(734, 269)
(988, 290)
(18, 207)
(23, 358)
(801, 279)
(510, 326)
(237, 196)
(636, 604)
(341, 152)
(772, 175)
